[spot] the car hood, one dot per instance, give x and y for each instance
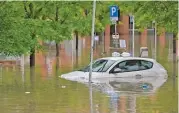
(79, 76)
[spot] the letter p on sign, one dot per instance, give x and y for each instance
(114, 12)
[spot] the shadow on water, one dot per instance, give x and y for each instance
(91, 98)
(76, 63)
(57, 71)
(174, 74)
(32, 77)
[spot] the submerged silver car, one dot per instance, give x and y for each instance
(120, 67)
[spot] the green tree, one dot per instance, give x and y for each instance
(24, 23)
(163, 12)
(32, 13)
(15, 38)
(75, 17)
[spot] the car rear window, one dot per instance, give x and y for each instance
(146, 64)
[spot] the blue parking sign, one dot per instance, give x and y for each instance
(114, 13)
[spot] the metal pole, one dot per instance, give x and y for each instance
(155, 42)
(92, 40)
(133, 37)
(116, 44)
(115, 29)
(91, 97)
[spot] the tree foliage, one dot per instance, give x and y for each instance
(164, 13)
(14, 37)
(22, 24)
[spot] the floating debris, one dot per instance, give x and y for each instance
(27, 92)
(63, 86)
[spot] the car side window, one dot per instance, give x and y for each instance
(127, 66)
(145, 65)
(132, 65)
(120, 65)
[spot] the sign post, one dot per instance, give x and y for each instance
(115, 39)
(114, 16)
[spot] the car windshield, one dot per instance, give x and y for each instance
(101, 65)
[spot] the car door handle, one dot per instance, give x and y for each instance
(138, 76)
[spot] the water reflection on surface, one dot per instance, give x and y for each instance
(122, 94)
(40, 90)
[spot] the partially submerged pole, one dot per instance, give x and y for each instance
(91, 56)
(92, 39)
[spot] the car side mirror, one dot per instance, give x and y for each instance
(117, 70)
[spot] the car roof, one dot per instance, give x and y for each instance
(127, 58)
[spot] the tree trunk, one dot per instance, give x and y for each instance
(76, 63)
(174, 60)
(174, 53)
(103, 37)
(32, 58)
(32, 54)
(174, 43)
(57, 73)
(32, 77)
(76, 34)
(57, 63)
(57, 50)
(76, 47)
(56, 19)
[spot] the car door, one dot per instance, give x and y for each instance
(126, 69)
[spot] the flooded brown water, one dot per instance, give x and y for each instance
(42, 90)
